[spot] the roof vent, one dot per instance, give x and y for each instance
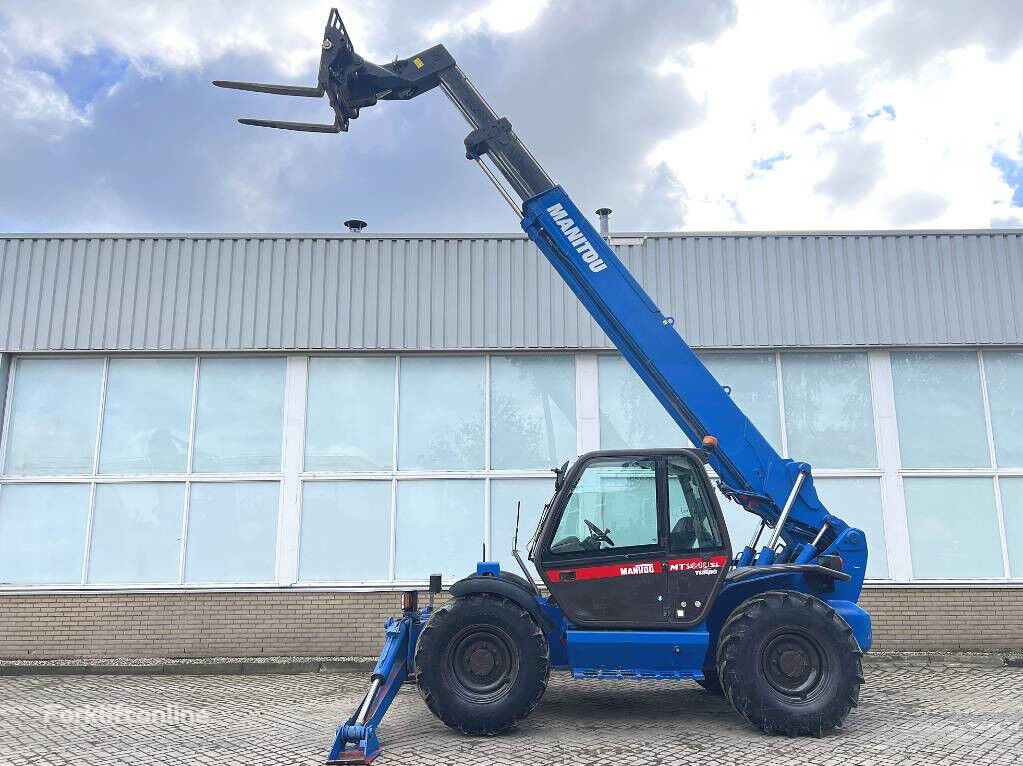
(355, 225)
(603, 214)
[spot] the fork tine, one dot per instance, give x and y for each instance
(308, 127)
(279, 90)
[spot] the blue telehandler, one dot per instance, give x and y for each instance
(640, 576)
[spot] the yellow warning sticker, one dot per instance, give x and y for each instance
(418, 62)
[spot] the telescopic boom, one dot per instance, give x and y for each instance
(751, 472)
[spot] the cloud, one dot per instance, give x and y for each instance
(841, 83)
(901, 39)
(662, 202)
(863, 122)
(29, 99)
(915, 208)
(585, 103)
(161, 36)
(498, 16)
(1011, 222)
(858, 166)
(912, 33)
(707, 115)
(161, 148)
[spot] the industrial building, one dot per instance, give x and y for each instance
(244, 444)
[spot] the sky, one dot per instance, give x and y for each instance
(702, 115)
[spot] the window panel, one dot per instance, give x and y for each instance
(42, 532)
(828, 417)
(147, 415)
(346, 530)
(54, 413)
(440, 423)
(440, 527)
(1003, 371)
(505, 495)
(939, 409)
(618, 496)
(630, 416)
(953, 528)
(857, 501)
(240, 415)
(753, 379)
(532, 411)
(1012, 515)
(691, 524)
(350, 420)
(136, 533)
(232, 532)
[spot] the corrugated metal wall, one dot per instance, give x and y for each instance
(187, 293)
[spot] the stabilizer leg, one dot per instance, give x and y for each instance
(355, 741)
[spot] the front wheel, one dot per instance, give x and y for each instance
(789, 664)
(482, 663)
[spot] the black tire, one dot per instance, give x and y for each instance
(482, 663)
(711, 682)
(789, 664)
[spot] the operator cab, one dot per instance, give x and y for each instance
(634, 539)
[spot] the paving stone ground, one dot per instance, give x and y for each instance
(910, 713)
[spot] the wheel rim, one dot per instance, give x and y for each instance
(795, 665)
(482, 663)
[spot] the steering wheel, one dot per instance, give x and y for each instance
(599, 533)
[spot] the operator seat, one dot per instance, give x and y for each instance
(683, 534)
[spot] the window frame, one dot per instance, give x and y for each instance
(625, 552)
(95, 478)
(718, 519)
(292, 476)
(6, 412)
(395, 474)
(992, 471)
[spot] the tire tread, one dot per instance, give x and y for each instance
(424, 646)
(742, 624)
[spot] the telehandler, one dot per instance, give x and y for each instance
(641, 578)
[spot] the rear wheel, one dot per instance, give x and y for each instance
(789, 664)
(482, 664)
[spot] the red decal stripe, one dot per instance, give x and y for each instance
(685, 565)
(628, 569)
(625, 569)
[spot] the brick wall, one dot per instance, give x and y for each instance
(945, 619)
(240, 624)
(299, 623)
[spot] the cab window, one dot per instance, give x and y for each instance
(613, 507)
(690, 519)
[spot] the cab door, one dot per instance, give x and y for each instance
(604, 561)
(698, 547)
